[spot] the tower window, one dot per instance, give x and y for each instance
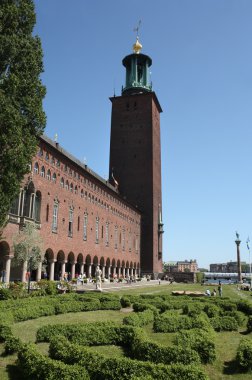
(55, 217)
(97, 230)
(85, 226)
(70, 223)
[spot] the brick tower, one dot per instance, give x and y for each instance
(135, 157)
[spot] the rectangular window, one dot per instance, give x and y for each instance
(85, 227)
(55, 217)
(107, 234)
(116, 237)
(123, 239)
(70, 224)
(78, 226)
(97, 230)
(136, 244)
(130, 241)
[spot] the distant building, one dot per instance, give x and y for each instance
(230, 267)
(182, 266)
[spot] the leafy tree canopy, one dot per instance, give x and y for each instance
(22, 118)
(28, 247)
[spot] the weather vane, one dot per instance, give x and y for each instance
(136, 29)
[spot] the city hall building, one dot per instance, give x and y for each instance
(84, 220)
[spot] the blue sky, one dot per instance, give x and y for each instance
(202, 75)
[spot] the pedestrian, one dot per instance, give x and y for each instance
(220, 289)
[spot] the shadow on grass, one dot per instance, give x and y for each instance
(232, 368)
(14, 372)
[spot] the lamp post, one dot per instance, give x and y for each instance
(238, 242)
(248, 246)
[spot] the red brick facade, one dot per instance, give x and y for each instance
(135, 161)
(93, 225)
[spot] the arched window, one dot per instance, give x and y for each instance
(37, 206)
(62, 182)
(47, 156)
(71, 187)
(36, 168)
(54, 177)
(82, 193)
(42, 173)
(48, 175)
(67, 185)
(28, 200)
(76, 190)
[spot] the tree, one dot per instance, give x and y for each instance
(22, 118)
(28, 247)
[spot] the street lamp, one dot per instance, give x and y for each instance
(238, 242)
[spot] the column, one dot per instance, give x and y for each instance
(38, 273)
(131, 271)
(103, 272)
(82, 268)
(119, 272)
(123, 272)
(7, 269)
(73, 270)
(109, 271)
(127, 272)
(51, 275)
(24, 271)
(89, 270)
(63, 269)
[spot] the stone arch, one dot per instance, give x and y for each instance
(127, 264)
(118, 264)
(102, 261)
(113, 264)
(49, 258)
(79, 264)
(4, 254)
(60, 261)
(123, 264)
(131, 264)
(88, 259)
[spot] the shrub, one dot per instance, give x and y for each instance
(200, 341)
(138, 306)
(101, 367)
(211, 310)
(244, 354)
(35, 366)
(245, 306)
(5, 331)
(224, 323)
(139, 319)
(125, 302)
(249, 324)
(48, 286)
(192, 310)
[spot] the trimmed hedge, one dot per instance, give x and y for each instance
(173, 323)
(244, 354)
(36, 366)
(139, 319)
(31, 308)
(199, 340)
(101, 367)
(224, 323)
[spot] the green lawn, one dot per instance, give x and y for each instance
(226, 342)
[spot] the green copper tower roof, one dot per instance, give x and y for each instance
(137, 71)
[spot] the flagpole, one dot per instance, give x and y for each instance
(248, 246)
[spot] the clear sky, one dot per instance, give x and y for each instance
(202, 75)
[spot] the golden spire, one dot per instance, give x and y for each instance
(137, 47)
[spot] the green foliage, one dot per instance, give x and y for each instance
(5, 331)
(244, 306)
(168, 322)
(22, 118)
(36, 366)
(125, 301)
(211, 310)
(28, 247)
(224, 323)
(192, 309)
(47, 287)
(100, 367)
(249, 324)
(244, 354)
(139, 319)
(199, 340)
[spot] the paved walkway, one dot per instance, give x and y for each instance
(115, 286)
